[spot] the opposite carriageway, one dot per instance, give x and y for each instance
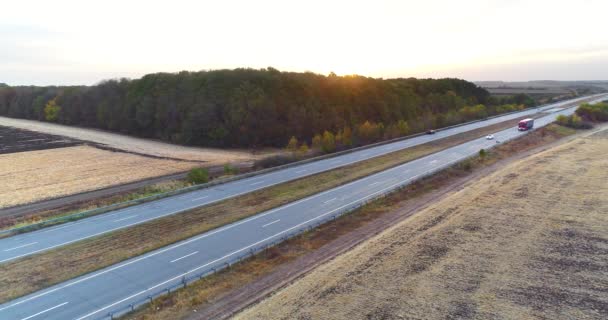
(38, 241)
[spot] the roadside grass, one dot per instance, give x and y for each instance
(184, 302)
(63, 211)
(32, 273)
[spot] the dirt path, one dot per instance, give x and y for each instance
(132, 144)
(511, 245)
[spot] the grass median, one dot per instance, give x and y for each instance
(39, 271)
(187, 303)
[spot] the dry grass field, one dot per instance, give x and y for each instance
(131, 144)
(37, 175)
(527, 242)
(24, 275)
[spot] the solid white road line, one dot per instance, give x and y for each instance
(200, 198)
(236, 251)
(206, 235)
(47, 310)
(22, 246)
(266, 225)
(186, 256)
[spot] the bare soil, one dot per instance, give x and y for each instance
(25, 275)
(135, 145)
(527, 242)
(18, 140)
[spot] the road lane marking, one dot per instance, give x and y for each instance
(195, 206)
(234, 252)
(21, 246)
(253, 184)
(204, 236)
(47, 310)
(375, 183)
(303, 170)
(330, 200)
(125, 218)
(434, 161)
(200, 198)
(266, 225)
(186, 256)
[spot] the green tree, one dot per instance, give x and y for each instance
(51, 111)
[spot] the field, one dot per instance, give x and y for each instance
(529, 241)
(37, 175)
(24, 275)
(17, 140)
(132, 144)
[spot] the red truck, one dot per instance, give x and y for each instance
(525, 124)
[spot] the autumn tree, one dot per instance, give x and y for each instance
(51, 111)
(292, 146)
(328, 143)
(316, 142)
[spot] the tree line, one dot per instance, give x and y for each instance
(266, 107)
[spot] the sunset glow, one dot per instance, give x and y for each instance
(70, 42)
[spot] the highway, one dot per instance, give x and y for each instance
(38, 241)
(95, 295)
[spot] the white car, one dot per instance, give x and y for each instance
(490, 137)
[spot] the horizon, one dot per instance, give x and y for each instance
(65, 43)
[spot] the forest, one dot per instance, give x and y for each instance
(249, 108)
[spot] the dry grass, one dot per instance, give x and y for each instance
(528, 242)
(37, 175)
(8, 222)
(132, 144)
(39, 271)
(185, 303)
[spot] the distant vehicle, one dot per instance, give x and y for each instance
(525, 124)
(431, 131)
(490, 137)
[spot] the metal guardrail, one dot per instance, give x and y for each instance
(122, 205)
(188, 279)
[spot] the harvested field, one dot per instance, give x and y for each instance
(132, 144)
(18, 140)
(23, 276)
(527, 242)
(37, 175)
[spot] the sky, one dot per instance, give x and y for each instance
(64, 42)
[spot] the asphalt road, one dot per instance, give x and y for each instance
(38, 241)
(95, 295)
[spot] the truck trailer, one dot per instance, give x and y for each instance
(525, 124)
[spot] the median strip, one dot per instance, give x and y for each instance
(35, 272)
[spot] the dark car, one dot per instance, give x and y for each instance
(431, 131)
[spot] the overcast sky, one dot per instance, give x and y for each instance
(83, 42)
